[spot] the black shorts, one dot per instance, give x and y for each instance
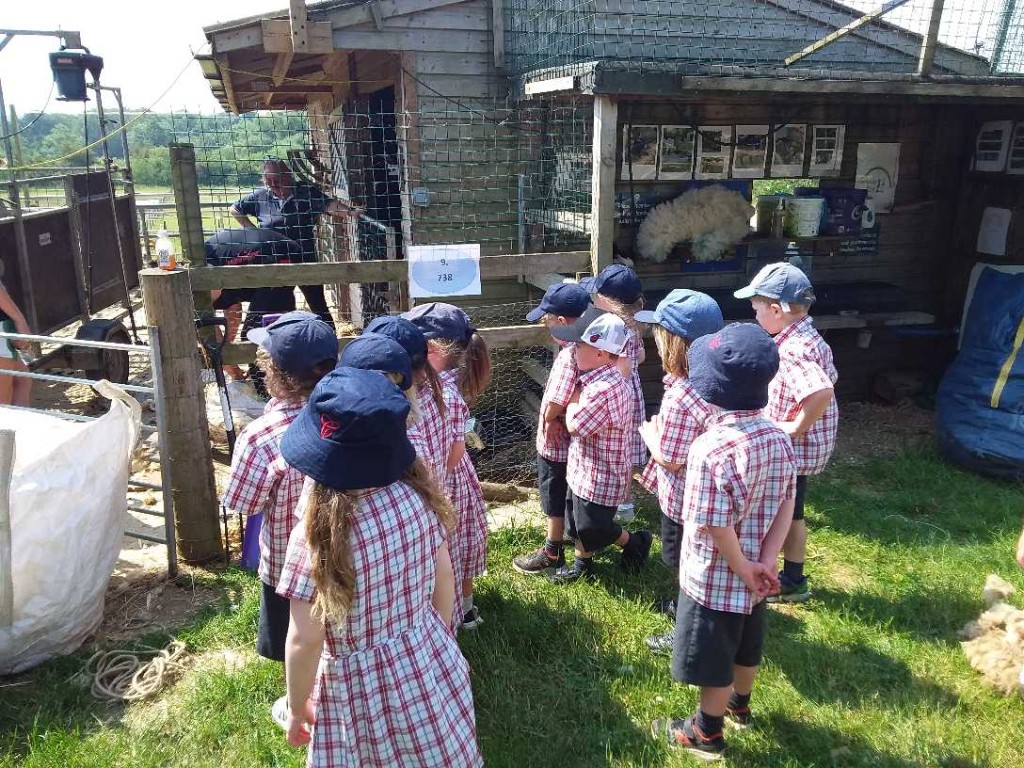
(554, 491)
(671, 541)
(594, 524)
(273, 627)
(801, 491)
(708, 643)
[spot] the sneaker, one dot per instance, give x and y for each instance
(279, 712)
(570, 574)
(738, 717)
(471, 619)
(791, 591)
(686, 734)
(538, 562)
(662, 644)
(624, 514)
(636, 551)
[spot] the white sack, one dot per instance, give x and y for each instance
(68, 514)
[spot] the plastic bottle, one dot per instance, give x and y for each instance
(165, 251)
(779, 220)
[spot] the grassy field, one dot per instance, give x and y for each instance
(867, 674)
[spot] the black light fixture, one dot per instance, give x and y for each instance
(69, 68)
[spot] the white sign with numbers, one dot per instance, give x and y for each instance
(444, 270)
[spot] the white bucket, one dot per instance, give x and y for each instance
(803, 216)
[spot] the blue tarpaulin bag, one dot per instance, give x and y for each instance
(980, 403)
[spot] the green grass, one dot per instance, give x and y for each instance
(868, 674)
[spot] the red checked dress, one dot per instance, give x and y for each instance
(805, 367)
(434, 435)
(738, 474)
(261, 481)
(683, 416)
(469, 544)
(392, 689)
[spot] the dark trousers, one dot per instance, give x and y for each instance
(801, 492)
(317, 302)
(594, 524)
(671, 541)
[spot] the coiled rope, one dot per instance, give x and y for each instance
(120, 675)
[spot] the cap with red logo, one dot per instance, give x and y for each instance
(596, 328)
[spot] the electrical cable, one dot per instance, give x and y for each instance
(34, 119)
(122, 129)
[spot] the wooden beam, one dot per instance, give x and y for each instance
(602, 205)
(498, 32)
(843, 31)
(386, 9)
(224, 65)
(545, 280)
(264, 87)
(277, 37)
(375, 12)
(924, 64)
(349, 272)
(297, 22)
(282, 64)
(235, 39)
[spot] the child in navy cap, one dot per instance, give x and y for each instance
(370, 582)
(462, 361)
(599, 466)
(801, 398)
(736, 509)
(431, 432)
(679, 319)
(562, 305)
(617, 289)
(295, 352)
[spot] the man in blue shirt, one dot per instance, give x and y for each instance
(292, 209)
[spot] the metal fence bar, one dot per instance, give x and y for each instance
(138, 349)
(74, 380)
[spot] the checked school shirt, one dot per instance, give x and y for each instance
(634, 348)
(261, 481)
(684, 415)
(392, 686)
(738, 473)
(805, 367)
(600, 463)
(558, 390)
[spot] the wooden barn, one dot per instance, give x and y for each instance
(534, 126)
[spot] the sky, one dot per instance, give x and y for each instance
(144, 45)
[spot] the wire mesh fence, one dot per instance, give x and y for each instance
(977, 38)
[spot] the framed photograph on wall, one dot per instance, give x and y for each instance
(675, 155)
(1015, 159)
(788, 151)
(750, 151)
(640, 149)
(827, 150)
(714, 143)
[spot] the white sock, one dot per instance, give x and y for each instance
(467, 604)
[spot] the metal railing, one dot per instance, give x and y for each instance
(155, 390)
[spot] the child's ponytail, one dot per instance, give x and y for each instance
(673, 351)
(476, 370)
(328, 524)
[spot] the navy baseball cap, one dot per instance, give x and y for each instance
(441, 321)
(616, 282)
(405, 333)
(733, 367)
(376, 352)
(781, 282)
(686, 313)
(297, 342)
(351, 433)
(565, 299)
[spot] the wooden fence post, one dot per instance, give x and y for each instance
(602, 201)
(185, 183)
(167, 295)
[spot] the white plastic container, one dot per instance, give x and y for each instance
(803, 216)
(164, 251)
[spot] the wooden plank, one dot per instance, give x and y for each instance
(412, 40)
(297, 23)
(282, 64)
(545, 280)
(529, 406)
(498, 32)
(344, 273)
(386, 9)
(536, 371)
(277, 37)
(235, 39)
(602, 211)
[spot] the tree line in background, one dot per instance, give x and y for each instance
(229, 149)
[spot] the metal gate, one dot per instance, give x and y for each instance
(153, 389)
